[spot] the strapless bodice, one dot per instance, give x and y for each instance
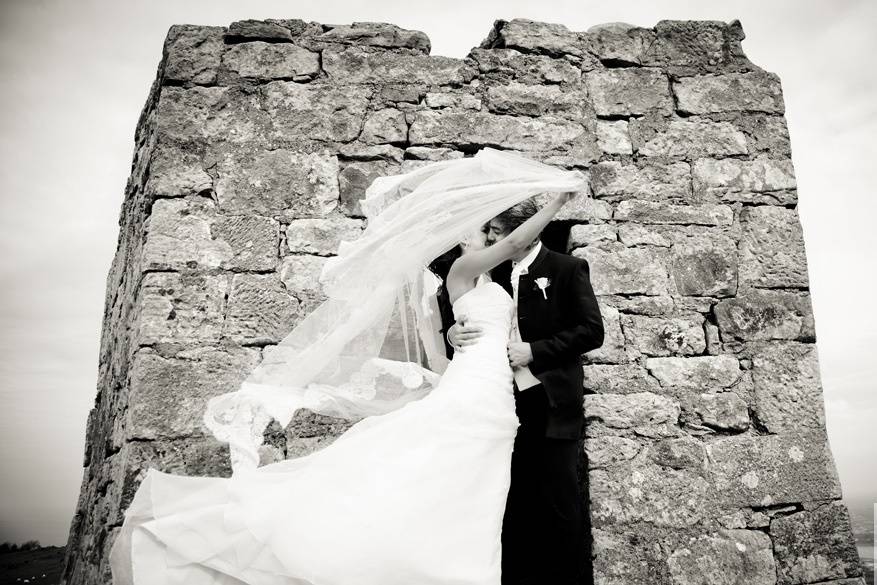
(490, 307)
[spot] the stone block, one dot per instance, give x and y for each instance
(356, 177)
(708, 373)
(613, 138)
(613, 348)
(629, 91)
(214, 115)
(167, 396)
(705, 265)
(766, 314)
(760, 180)
(619, 379)
(622, 270)
(770, 470)
(504, 64)
(356, 65)
(619, 43)
(658, 212)
(531, 36)
(321, 236)
(772, 250)
(687, 138)
(378, 34)
(720, 411)
(180, 308)
(277, 183)
(260, 60)
(787, 390)
(384, 126)
(311, 112)
(260, 309)
(192, 53)
(645, 180)
(815, 545)
(663, 336)
(728, 557)
(523, 99)
(641, 413)
(758, 91)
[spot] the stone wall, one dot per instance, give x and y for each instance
(707, 454)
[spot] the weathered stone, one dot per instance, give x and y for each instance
(646, 180)
(587, 234)
(619, 43)
(772, 248)
(612, 350)
(180, 308)
(766, 314)
(753, 91)
(621, 270)
(520, 133)
(634, 234)
(752, 181)
(787, 391)
(630, 494)
(729, 557)
(188, 233)
(660, 336)
(321, 236)
(770, 470)
(606, 451)
(260, 310)
(679, 453)
(262, 61)
(619, 379)
(387, 125)
(446, 99)
(640, 304)
(253, 240)
(815, 545)
(653, 212)
(536, 100)
(765, 133)
(612, 137)
(356, 65)
(582, 209)
(629, 91)
(705, 265)
(689, 47)
(378, 34)
(277, 183)
(192, 53)
(686, 138)
(723, 411)
(210, 114)
(355, 178)
(251, 29)
(300, 275)
(697, 373)
(531, 36)
(313, 112)
(643, 413)
(175, 172)
(526, 68)
(167, 396)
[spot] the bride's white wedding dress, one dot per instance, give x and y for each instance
(414, 496)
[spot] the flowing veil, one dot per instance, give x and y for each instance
(370, 347)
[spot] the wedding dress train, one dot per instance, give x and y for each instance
(414, 496)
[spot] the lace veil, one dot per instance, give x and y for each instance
(373, 345)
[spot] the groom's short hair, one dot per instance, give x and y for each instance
(517, 214)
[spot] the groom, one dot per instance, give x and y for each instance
(557, 319)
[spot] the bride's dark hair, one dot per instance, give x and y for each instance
(442, 265)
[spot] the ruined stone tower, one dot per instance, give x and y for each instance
(707, 455)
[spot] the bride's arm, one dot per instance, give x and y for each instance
(470, 265)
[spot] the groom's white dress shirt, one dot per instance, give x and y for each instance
(524, 378)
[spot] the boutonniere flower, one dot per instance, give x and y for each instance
(543, 283)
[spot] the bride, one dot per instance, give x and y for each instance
(415, 491)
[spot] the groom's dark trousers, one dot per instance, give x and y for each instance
(543, 534)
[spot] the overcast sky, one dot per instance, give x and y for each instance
(76, 76)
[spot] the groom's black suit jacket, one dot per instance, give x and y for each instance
(559, 329)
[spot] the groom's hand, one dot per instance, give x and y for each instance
(520, 354)
(461, 335)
